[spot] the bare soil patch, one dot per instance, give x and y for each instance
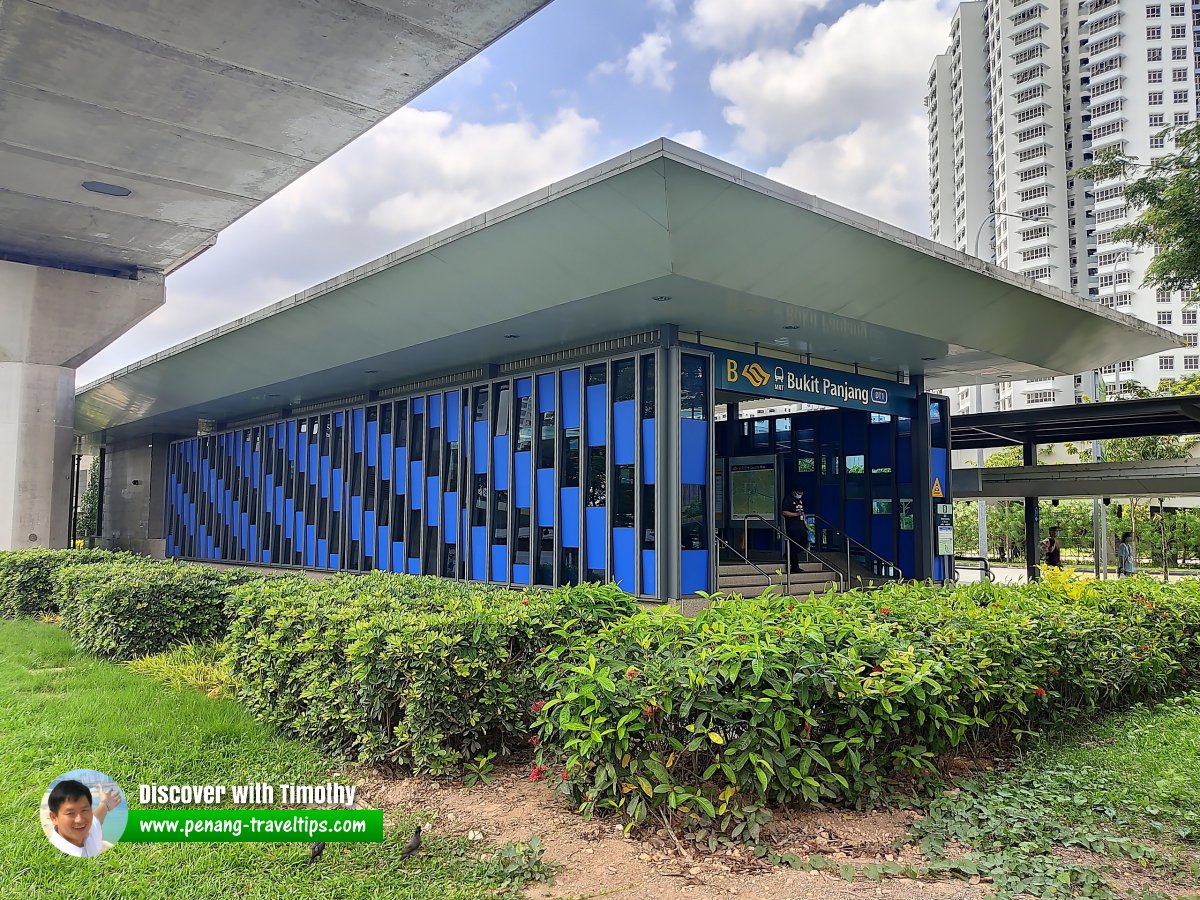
(599, 860)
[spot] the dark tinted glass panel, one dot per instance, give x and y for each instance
(481, 404)
(624, 378)
(647, 387)
(694, 517)
(450, 483)
(500, 517)
(545, 561)
(569, 476)
(479, 505)
(597, 476)
(595, 375)
(623, 498)
(546, 442)
(522, 547)
(524, 424)
(693, 384)
(647, 517)
(503, 410)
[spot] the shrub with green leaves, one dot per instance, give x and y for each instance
(756, 703)
(27, 578)
(402, 669)
(137, 607)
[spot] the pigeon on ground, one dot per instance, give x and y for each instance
(413, 845)
(315, 853)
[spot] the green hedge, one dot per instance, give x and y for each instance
(402, 669)
(27, 578)
(772, 701)
(138, 606)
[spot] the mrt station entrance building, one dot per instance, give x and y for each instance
(617, 378)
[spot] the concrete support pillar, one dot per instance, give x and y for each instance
(1033, 522)
(54, 321)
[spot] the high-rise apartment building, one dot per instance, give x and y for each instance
(1025, 94)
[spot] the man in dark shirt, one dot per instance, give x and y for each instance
(797, 527)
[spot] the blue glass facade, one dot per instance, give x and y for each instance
(542, 478)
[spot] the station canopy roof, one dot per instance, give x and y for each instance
(740, 257)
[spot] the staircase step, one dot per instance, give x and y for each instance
(769, 568)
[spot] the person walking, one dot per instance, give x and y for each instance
(1052, 549)
(796, 523)
(1125, 565)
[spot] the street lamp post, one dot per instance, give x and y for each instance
(990, 216)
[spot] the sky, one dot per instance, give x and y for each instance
(823, 95)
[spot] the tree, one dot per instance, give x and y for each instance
(1167, 192)
(87, 524)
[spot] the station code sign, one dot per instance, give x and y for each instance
(779, 379)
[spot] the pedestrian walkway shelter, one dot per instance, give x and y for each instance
(560, 390)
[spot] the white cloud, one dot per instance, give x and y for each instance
(694, 139)
(663, 7)
(414, 174)
(843, 109)
(648, 63)
(726, 24)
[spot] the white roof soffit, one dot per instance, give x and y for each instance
(741, 258)
(202, 110)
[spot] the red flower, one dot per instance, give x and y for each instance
(537, 706)
(885, 610)
(649, 711)
(1039, 692)
(779, 632)
(1145, 646)
(562, 776)
(534, 740)
(876, 668)
(631, 673)
(524, 601)
(537, 773)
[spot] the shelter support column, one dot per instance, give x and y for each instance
(1033, 520)
(922, 438)
(668, 474)
(54, 321)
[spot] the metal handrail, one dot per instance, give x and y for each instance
(787, 544)
(748, 561)
(849, 540)
(983, 565)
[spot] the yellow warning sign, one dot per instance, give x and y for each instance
(937, 488)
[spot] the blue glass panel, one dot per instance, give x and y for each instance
(570, 398)
(335, 561)
(322, 553)
(479, 454)
(449, 502)
(649, 459)
(479, 545)
(355, 518)
(326, 475)
(499, 563)
(597, 531)
(649, 573)
(385, 457)
(253, 539)
(545, 393)
(292, 433)
(624, 429)
(401, 481)
(369, 533)
(433, 519)
(624, 558)
(453, 415)
(397, 561)
(415, 469)
(569, 529)
(937, 469)
(358, 417)
(520, 574)
(524, 387)
(414, 566)
(301, 535)
(289, 516)
(255, 468)
(301, 451)
(597, 410)
(693, 439)
(314, 463)
(335, 490)
(693, 571)
(381, 542)
(418, 405)
(435, 410)
(373, 443)
(545, 498)
(500, 463)
(522, 496)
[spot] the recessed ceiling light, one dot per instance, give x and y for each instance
(370, 371)
(928, 358)
(272, 396)
(791, 327)
(103, 187)
(661, 299)
(781, 340)
(510, 336)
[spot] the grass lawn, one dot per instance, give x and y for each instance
(1123, 794)
(61, 709)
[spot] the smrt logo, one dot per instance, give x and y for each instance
(753, 373)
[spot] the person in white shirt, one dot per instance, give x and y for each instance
(1125, 564)
(77, 827)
